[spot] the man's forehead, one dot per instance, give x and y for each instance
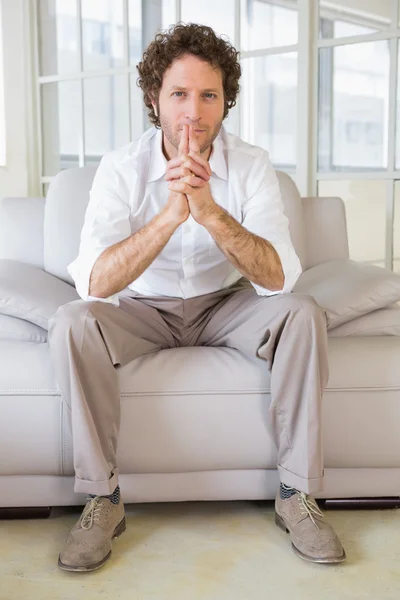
(186, 89)
(189, 70)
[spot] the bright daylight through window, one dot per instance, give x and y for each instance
(2, 115)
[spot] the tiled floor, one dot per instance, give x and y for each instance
(213, 551)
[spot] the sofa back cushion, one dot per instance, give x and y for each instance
(21, 230)
(66, 204)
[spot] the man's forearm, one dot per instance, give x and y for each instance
(125, 261)
(253, 257)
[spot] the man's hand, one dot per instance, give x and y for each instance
(190, 174)
(188, 163)
(177, 204)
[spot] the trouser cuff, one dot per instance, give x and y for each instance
(97, 488)
(308, 486)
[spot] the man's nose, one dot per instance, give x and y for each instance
(193, 111)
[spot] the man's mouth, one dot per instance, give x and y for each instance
(196, 130)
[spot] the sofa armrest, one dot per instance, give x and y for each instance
(30, 293)
(21, 230)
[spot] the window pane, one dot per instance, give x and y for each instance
(58, 35)
(135, 31)
(344, 18)
(102, 34)
(269, 106)
(168, 13)
(2, 112)
(218, 14)
(266, 24)
(353, 106)
(106, 115)
(365, 203)
(396, 230)
(138, 109)
(60, 108)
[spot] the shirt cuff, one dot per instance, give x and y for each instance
(80, 273)
(291, 269)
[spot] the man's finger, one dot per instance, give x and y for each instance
(184, 141)
(184, 187)
(193, 142)
(201, 161)
(189, 163)
(185, 170)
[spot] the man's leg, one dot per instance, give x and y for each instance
(290, 332)
(87, 341)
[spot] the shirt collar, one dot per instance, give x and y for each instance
(217, 159)
(158, 162)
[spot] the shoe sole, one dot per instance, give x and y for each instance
(120, 528)
(337, 559)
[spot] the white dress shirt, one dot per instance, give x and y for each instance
(129, 189)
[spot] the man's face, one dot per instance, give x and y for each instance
(191, 94)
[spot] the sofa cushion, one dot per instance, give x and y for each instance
(177, 401)
(31, 294)
(385, 321)
(66, 204)
(347, 289)
(12, 328)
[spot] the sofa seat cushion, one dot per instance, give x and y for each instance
(203, 409)
(385, 321)
(12, 328)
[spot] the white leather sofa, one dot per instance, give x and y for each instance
(193, 419)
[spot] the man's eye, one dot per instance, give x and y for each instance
(177, 93)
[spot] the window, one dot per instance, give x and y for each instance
(330, 117)
(2, 114)
(88, 52)
(358, 140)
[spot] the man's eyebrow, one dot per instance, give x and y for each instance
(183, 89)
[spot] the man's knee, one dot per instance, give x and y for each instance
(303, 303)
(71, 313)
(307, 304)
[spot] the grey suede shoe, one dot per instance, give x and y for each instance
(312, 538)
(88, 545)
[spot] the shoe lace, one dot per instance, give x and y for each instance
(90, 512)
(309, 507)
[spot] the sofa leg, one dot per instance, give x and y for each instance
(25, 512)
(361, 503)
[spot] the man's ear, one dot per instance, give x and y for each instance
(154, 107)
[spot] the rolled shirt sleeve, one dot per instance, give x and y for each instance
(107, 222)
(263, 215)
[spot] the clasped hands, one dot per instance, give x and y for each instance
(189, 174)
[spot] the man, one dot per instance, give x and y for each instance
(185, 243)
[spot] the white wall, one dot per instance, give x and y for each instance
(16, 178)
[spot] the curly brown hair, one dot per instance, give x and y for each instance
(178, 41)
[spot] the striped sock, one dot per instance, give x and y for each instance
(286, 492)
(114, 497)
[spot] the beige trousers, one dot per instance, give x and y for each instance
(89, 339)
